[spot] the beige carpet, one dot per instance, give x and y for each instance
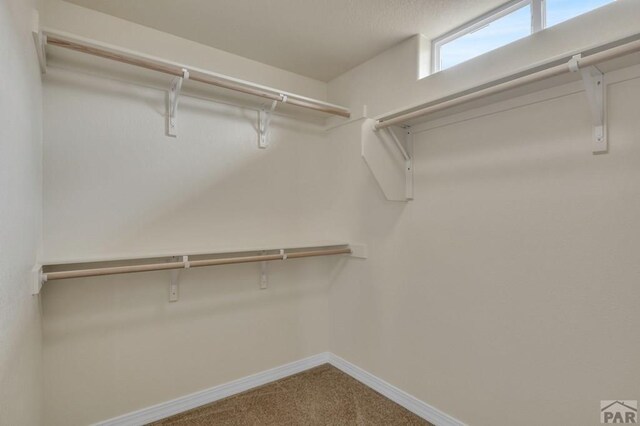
(321, 396)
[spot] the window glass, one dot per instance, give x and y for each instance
(561, 10)
(498, 33)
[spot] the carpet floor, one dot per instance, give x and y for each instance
(321, 396)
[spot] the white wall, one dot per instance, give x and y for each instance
(507, 291)
(63, 16)
(114, 183)
(504, 294)
(20, 216)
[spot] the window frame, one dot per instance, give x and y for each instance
(538, 23)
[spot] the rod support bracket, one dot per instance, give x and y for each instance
(388, 153)
(40, 41)
(264, 274)
(404, 142)
(264, 121)
(359, 251)
(174, 96)
(595, 88)
(174, 284)
(38, 278)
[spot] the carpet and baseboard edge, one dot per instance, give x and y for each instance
(207, 396)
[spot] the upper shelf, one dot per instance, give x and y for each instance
(176, 260)
(50, 42)
(209, 251)
(559, 70)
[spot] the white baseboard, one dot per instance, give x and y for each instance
(207, 396)
(400, 397)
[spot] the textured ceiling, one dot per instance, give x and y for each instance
(316, 38)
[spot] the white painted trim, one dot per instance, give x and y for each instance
(400, 397)
(207, 396)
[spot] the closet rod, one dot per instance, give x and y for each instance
(81, 273)
(194, 74)
(514, 81)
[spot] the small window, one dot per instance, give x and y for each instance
(562, 10)
(487, 37)
(512, 21)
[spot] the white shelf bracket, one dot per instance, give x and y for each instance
(388, 154)
(264, 270)
(38, 278)
(174, 97)
(264, 121)
(264, 274)
(359, 251)
(174, 284)
(404, 143)
(595, 88)
(40, 41)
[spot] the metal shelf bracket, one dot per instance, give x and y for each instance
(388, 152)
(403, 143)
(264, 121)
(174, 96)
(264, 270)
(174, 284)
(40, 41)
(595, 88)
(264, 274)
(38, 278)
